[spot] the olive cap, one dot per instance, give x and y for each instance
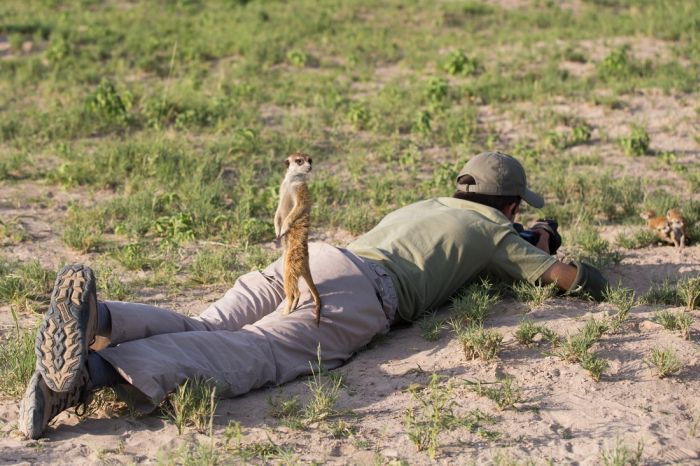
(497, 174)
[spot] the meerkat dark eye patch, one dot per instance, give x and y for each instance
(309, 160)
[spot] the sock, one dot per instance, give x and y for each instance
(102, 373)
(104, 320)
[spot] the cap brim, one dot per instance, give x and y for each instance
(534, 199)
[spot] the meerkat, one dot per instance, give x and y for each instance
(658, 224)
(292, 222)
(678, 227)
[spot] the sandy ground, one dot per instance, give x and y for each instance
(564, 416)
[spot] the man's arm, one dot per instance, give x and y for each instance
(578, 277)
(564, 275)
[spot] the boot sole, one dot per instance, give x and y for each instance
(61, 345)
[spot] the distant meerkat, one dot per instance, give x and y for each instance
(658, 224)
(292, 222)
(678, 227)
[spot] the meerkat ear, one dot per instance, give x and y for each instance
(286, 163)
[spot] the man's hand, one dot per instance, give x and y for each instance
(543, 241)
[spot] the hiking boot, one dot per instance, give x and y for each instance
(68, 329)
(40, 404)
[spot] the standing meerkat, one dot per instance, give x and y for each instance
(658, 224)
(678, 227)
(292, 222)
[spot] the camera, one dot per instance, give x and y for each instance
(532, 236)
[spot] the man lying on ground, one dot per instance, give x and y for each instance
(413, 261)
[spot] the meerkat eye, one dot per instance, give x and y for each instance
(299, 161)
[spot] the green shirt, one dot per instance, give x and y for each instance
(434, 247)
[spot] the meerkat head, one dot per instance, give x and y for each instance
(647, 214)
(298, 164)
(674, 214)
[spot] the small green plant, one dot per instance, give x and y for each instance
(288, 410)
(662, 293)
(216, 266)
(324, 388)
(594, 365)
(109, 104)
(479, 343)
(297, 58)
(637, 240)
(433, 413)
(637, 143)
(431, 326)
(619, 65)
(25, 286)
(580, 134)
(623, 299)
(664, 361)
(175, 229)
(588, 246)
(621, 455)
(17, 360)
(260, 450)
(504, 392)
(192, 405)
(526, 332)
(689, 292)
(358, 115)
(423, 123)
(437, 90)
(341, 429)
(458, 63)
(680, 321)
(535, 295)
(133, 256)
(82, 231)
(471, 306)
(575, 347)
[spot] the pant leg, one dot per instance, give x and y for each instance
(254, 295)
(273, 350)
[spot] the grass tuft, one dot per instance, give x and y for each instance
(535, 295)
(192, 405)
(665, 361)
(431, 326)
(621, 455)
(689, 292)
(17, 360)
(623, 299)
(504, 392)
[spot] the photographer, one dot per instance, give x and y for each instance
(413, 261)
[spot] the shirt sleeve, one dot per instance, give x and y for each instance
(516, 259)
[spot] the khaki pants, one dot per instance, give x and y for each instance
(242, 341)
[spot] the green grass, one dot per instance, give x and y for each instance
(681, 321)
(664, 361)
(623, 299)
(17, 360)
(504, 392)
(622, 455)
(662, 293)
(25, 286)
(434, 410)
(193, 404)
(535, 295)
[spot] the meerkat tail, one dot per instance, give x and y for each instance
(291, 289)
(314, 293)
